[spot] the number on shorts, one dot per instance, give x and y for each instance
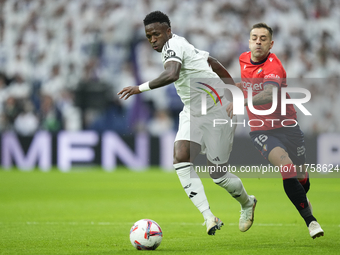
(261, 139)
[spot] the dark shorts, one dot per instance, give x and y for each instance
(291, 139)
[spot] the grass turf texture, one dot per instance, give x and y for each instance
(91, 212)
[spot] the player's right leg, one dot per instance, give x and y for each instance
(184, 153)
(303, 177)
(294, 190)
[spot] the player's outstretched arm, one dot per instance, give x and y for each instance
(168, 76)
(220, 70)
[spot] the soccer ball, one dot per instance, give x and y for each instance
(146, 234)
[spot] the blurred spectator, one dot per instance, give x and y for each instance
(19, 88)
(54, 85)
(49, 115)
(71, 113)
(10, 112)
(112, 118)
(3, 92)
(160, 124)
(26, 123)
(45, 45)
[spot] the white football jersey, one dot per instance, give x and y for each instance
(195, 66)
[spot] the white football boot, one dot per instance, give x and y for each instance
(213, 224)
(315, 229)
(247, 216)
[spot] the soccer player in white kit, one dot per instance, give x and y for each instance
(185, 66)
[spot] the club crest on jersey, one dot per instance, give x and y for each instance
(265, 147)
(168, 54)
(260, 70)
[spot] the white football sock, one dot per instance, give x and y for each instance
(234, 186)
(193, 186)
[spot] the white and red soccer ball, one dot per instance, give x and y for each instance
(146, 234)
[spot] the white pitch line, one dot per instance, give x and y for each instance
(131, 223)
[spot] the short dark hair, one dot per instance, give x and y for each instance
(263, 25)
(156, 16)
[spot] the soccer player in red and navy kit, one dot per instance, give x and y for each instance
(278, 137)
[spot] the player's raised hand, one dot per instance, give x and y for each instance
(128, 91)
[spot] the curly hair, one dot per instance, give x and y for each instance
(156, 16)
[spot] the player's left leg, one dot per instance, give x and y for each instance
(234, 186)
(218, 141)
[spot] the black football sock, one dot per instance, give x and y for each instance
(305, 183)
(297, 195)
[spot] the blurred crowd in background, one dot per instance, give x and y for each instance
(63, 61)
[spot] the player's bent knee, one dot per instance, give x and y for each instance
(279, 157)
(288, 171)
(181, 152)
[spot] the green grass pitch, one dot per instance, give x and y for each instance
(91, 212)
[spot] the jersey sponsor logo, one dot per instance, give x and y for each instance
(244, 67)
(255, 86)
(168, 54)
(271, 59)
(260, 70)
(272, 76)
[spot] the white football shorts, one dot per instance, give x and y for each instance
(216, 142)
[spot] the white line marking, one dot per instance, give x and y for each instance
(131, 223)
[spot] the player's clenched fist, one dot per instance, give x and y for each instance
(128, 91)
